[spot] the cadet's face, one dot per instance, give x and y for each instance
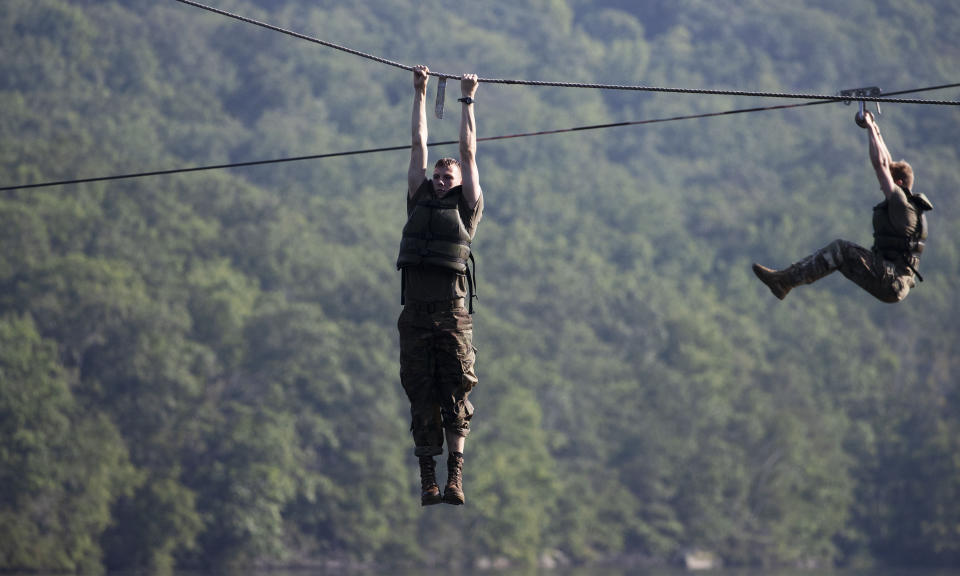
(445, 178)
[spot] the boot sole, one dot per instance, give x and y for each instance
(427, 499)
(453, 500)
(430, 501)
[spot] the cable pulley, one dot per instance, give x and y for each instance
(859, 94)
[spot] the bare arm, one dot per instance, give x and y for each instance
(417, 172)
(880, 157)
(468, 143)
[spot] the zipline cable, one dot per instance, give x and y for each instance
(431, 144)
(834, 98)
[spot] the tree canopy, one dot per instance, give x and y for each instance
(201, 369)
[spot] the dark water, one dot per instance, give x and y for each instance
(604, 570)
(661, 571)
(599, 570)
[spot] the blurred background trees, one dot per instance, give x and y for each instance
(200, 370)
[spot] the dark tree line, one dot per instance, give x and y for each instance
(201, 369)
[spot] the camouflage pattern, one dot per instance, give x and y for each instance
(888, 281)
(437, 372)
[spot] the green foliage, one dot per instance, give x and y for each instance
(61, 467)
(200, 369)
(151, 524)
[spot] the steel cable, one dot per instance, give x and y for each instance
(431, 144)
(573, 84)
(817, 99)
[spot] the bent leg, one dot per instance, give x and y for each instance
(881, 278)
(821, 263)
(862, 266)
(806, 271)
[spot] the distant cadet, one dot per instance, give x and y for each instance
(436, 329)
(890, 269)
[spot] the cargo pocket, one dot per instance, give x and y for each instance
(896, 286)
(467, 355)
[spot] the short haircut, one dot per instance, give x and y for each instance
(901, 170)
(447, 162)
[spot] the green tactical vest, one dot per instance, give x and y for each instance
(893, 244)
(434, 235)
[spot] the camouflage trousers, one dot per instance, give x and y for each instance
(437, 373)
(887, 281)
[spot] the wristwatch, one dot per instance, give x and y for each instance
(466, 100)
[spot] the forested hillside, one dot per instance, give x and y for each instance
(200, 369)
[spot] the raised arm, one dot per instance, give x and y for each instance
(880, 157)
(468, 142)
(417, 172)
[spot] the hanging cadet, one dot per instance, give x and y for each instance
(890, 268)
(435, 327)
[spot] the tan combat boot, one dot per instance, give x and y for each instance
(778, 282)
(453, 492)
(429, 491)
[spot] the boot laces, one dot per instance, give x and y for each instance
(427, 472)
(454, 470)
